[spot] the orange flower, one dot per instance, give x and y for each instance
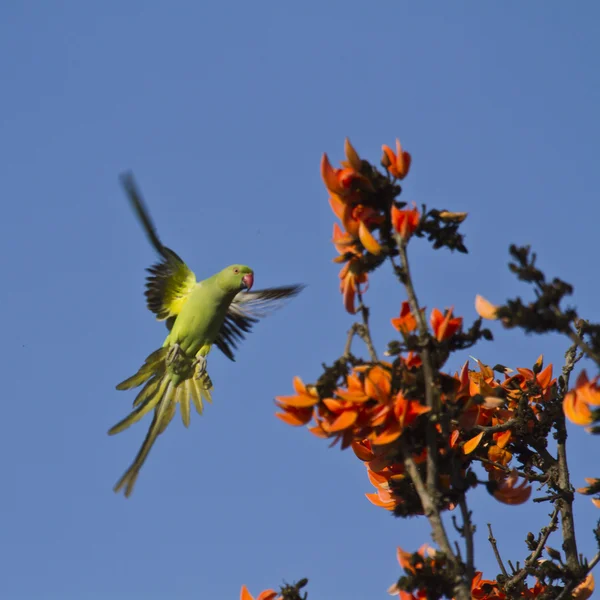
(298, 409)
(485, 309)
(395, 418)
(585, 589)
(344, 243)
(385, 497)
(406, 322)
(485, 589)
(344, 415)
(509, 492)
(588, 390)
(397, 164)
(444, 326)
(405, 221)
(266, 595)
(577, 401)
(410, 565)
(412, 360)
(341, 182)
(351, 279)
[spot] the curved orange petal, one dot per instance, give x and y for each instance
(472, 443)
(330, 177)
(301, 401)
(352, 155)
(245, 594)
(504, 438)
(390, 434)
(485, 309)
(378, 384)
(362, 452)
(299, 386)
(585, 589)
(376, 500)
(367, 239)
(576, 410)
(334, 405)
(345, 420)
(295, 416)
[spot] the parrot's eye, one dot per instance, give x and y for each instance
(236, 270)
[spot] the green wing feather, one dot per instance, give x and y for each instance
(170, 281)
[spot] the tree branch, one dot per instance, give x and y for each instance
(516, 579)
(438, 530)
(468, 531)
(430, 398)
(363, 329)
(493, 542)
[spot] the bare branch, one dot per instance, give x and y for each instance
(468, 531)
(534, 556)
(492, 540)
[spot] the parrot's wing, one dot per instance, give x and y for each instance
(171, 280)
(246, 310)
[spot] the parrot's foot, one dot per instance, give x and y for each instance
(173, 354)
(199, 367)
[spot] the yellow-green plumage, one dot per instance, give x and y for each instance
(177, 381)
(198, 316)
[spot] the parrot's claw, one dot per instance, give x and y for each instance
(173, 353)
(200, 367)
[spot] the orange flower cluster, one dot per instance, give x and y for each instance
(481, 589)
(367, 408)
(496, 412)
(383, 472)
(369, 415)
(266, 595)
(443, 326)
(578, 401)
(351, 190)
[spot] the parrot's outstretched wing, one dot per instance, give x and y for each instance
(171, 280)
(246, 310)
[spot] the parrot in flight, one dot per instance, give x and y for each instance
(199, 315)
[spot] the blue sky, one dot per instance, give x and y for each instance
(222, 110)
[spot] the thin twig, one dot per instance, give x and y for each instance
(516, 579)
(364, 330)
(583, 346)
(492, 540)
(351, 333)
(497, 428)
(468, 531)
(501, 467)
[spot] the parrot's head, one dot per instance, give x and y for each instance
(236, 277)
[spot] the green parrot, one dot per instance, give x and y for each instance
(198, 315)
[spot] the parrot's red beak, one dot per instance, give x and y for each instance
(248, 281)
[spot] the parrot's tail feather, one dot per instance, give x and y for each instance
(184, 401)
(162, 417)
(195, 388)
(164, 388)
(145, 371)
(145, 407)
(148, 390)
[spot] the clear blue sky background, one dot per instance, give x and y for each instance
(223, 110)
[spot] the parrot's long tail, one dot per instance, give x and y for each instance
(164, 388)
